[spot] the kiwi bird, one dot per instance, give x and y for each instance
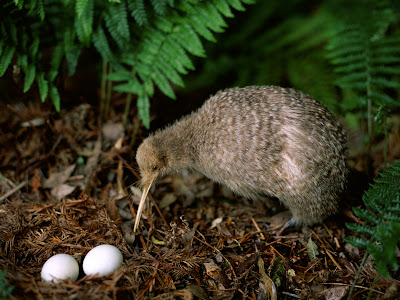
(259, 141)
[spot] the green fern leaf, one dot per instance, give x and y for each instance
(210, 16)
(30, 73)
(223, 7)
(40, 9)
(160, 6)
(117, 23)
(22, 60)
(383, 201)
(84, 22)
(143, 104)
(55, 97)
(143, 70)
(361, 229)
(175, 50)
(162, 82)
(200, 27)
(5, 59)
(164, 24)
(189, 40)
(149, 87)
(101, 43)
(236, 4)
(43, 86)
(169, 71)
(80, 7)
(385, 83)
(357, 242)
(121, 75)
(58, 54)
(138, 12)
(384, 99)
(34, 47)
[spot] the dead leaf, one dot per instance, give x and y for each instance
(312, 249)
(216, 273)
(216, 221)
(267, 286)
(59, 177)
(113, 211)
(335, 293)
(92, 161)
(197, 291)
(61, 191)
(112, 131)
(167, 200)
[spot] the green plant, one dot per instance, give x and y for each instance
(146, 43)
(284, 45)
(381, 231)
(5, 288)
(365, 49)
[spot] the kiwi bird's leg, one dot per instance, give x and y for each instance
(141, 205)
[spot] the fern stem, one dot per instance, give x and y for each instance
(385, 155)
(369, 109)
(103, 89)
(136, 127)
(127, 108)
(108, 95)
(357, 275)
(372, 286)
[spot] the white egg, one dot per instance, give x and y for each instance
(60, 267)
(103, 260)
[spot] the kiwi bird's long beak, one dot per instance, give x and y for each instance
(141, 205)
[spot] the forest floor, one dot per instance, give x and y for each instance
(68, 184)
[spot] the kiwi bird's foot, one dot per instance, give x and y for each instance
(292, 223)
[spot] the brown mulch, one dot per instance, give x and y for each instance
(68, 185)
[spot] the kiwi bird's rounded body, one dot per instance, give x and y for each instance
(258, 141)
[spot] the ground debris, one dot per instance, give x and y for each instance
(195, 241)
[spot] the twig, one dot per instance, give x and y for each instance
(258, 228)
(334, 261)
(212, 247)
(21, 116)
(10, 192)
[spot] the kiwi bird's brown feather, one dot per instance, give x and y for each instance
(259, 141)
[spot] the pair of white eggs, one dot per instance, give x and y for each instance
(101, 260)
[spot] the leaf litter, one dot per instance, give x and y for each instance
(67, 188)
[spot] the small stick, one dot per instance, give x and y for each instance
(258, 228)
(10, 192)
(212, 247)
(21, 116)
(334, 261)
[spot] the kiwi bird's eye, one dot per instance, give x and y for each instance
(155, 168)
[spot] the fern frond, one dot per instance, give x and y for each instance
(143, 104)
(30, 73)
(189, 40)
(160, 6)
(55, 97)
(43, 86)
(5, 58)
(162, 82)
(117, 23)
(84, 21)
(100, 41)
(224, 8)
(80, 7)
(382, 234)
(138, 12)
